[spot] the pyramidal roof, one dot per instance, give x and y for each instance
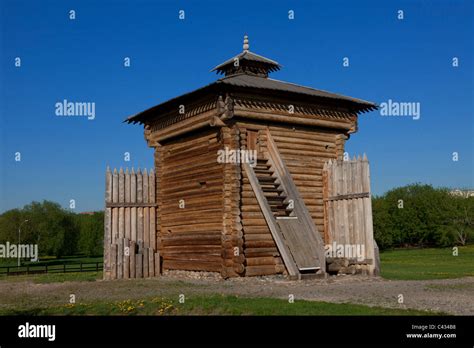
(247, 62)
(249, 71)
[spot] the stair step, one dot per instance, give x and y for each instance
(273, 189)
(266, 178)
(276, 198)
(271, 194)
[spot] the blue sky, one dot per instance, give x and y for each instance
(64, 158)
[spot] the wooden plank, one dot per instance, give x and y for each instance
(151, 262)
(145, 263)
(121, 186)
(139, 186)
(139, 265)
(132, 259)
(127, 223)
(126, 263)
(146, 226)
(153, 228)
(133, 224)
(115, 225)
(140, 224)
(121, 223)
(113, 261)
(151, 186)
(115, 186)
(313, 245)
(120, 259)
(270, 219)
(133, 187)
(146, 193)
(107, 241)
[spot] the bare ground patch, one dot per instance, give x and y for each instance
(453, 296)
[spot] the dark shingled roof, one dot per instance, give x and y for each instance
(243, 80)
(252, 74)
(247, 56)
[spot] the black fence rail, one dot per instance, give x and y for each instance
(62, 268)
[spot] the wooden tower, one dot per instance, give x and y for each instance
(239, 171)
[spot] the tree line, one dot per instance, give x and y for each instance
(420, 215)
(58, 232)
(413, 215)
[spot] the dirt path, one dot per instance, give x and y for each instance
(453, 296)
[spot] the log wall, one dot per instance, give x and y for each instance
(190, 190)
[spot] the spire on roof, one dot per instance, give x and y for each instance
(246, 43)
(247, 63)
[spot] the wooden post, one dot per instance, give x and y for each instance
(146, 226)
(151, 199)
(126, 264)
(113, 261)
(107, 224)
(145, 263)
(133, 199)
(145, 186)
(139, 265)
(120, 259)
(325, 202)
(132, 259)
(151, 263)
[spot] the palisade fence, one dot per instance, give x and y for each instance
(130, 225)
(348, 207)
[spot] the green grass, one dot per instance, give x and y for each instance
(213, 305)
(55, 277)
(421, 264)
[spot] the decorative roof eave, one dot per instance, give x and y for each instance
(218, 88)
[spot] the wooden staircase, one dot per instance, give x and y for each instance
(299, 243)
(272, 190)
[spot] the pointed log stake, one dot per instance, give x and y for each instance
(133, 199)
(139, 186)
(108, 185)
(115, 184)
(107, 223)
(127, 186)
(121, 186)
(151, 186)
(133, 187)
(145, 186)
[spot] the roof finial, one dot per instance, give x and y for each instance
(246, 43)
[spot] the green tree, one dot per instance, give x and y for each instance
(91, 235)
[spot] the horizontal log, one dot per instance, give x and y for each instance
(301, 120)
(320, 134)
(261, 252)
(197, 249)
(292, 139)
(202, 227)
(257, 237)
(260, 261)
(192, 257)
(259, 244)
(192, 265)
(248, 230)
